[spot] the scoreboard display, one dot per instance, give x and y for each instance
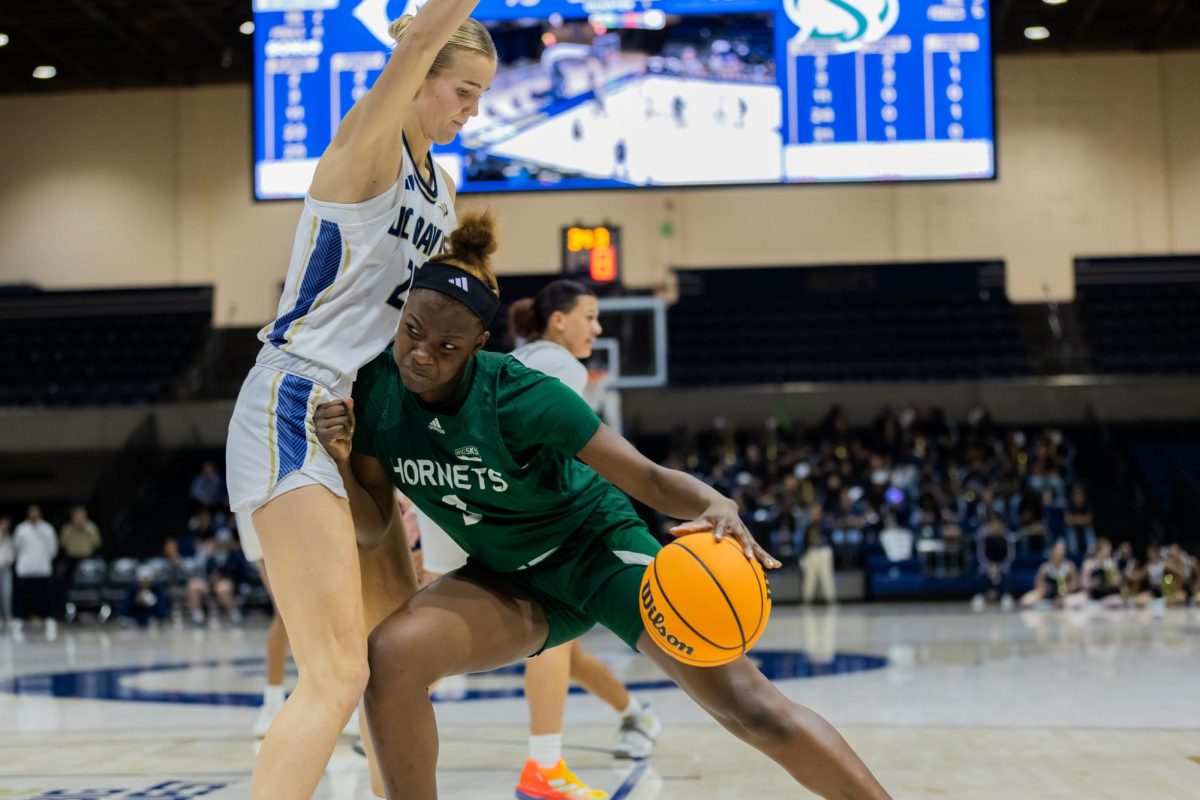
(592, 252)
(593, 94)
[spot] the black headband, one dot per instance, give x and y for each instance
(440, 276)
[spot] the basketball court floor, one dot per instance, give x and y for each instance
(941, 702)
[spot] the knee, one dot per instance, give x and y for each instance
(764, 724)
(341, 671)
(392, 650)
(349, 679)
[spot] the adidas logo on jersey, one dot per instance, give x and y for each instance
(460, 283)
(445, 209)
(436, 426)
(469, 453)
(410, 182)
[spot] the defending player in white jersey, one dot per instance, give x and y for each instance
(378, 206)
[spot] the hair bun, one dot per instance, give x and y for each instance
(397, 28)
(522, 319)
(474, 239)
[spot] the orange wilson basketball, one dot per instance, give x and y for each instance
(703, 601)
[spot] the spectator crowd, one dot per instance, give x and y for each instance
(200, 574)
(967, 497)
(962, 497)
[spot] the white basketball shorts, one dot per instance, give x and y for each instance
(272, 446)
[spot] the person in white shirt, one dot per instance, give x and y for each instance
(8, 555)
(36, 545)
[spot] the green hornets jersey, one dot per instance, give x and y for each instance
(495, 466)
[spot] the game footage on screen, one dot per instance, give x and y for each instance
(574, 100)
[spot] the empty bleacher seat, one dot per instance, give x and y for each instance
(913, 322)
(99, 347)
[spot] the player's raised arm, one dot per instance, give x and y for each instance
(365, 155)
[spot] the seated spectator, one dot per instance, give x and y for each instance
(1056, 578)
(196, 542)
(1100, 579)
(226, 568)
(146, 600)
(1181, 575)
(846, 518)
(979, 506)
(1054, 516)
(786, 538)
(189, 574)
(996, 552)
(174, 558)
(1081, 536)
(1151, 581)
(1127, 565)
(897, 542)
(208, 487)
(1033, 523)
(953, 557)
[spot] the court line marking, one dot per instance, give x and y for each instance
(119, 683)
(631, 780)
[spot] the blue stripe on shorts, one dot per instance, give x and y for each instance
(291, 415)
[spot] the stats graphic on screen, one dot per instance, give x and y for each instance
(593, 94)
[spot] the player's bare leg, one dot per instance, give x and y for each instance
(750, 707)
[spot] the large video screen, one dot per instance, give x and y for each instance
(593, 94)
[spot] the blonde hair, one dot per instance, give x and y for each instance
(471, 246)
(471, 37)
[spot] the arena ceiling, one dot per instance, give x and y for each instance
(111, 44)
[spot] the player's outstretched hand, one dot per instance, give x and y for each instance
(335, 428)
(723, 520)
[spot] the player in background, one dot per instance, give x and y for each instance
(487, 448)
(621, 160)
(378, 206)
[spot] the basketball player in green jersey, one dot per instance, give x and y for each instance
(488, 449)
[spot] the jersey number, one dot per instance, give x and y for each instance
(469, 517)
(396, 298)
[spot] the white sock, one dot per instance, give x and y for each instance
(273, 695)
(633, 709)
(546, 750)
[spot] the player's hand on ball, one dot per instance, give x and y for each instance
(723, 520)
(335, 428)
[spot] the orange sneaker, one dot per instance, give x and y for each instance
(556, 783)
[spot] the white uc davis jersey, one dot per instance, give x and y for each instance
(351, 268)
